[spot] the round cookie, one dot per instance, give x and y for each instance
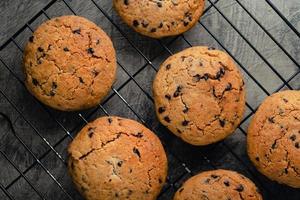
(160, 18)
(69, 63)
(199, 95)
(117, 158)
(218, 185)
(274, 138)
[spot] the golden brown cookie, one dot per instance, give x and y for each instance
(218, 185)
(117, 158)
(199, 95)
(69, 63)
(160, 18)
(274, 138)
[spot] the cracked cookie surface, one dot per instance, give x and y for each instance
(199, 95)
(69, 63)
(117, 158)
(218, 185)
(274, 138)
(160, 18)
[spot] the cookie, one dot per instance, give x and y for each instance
(218, 185)
(199, 95)
(117, 158)
(274, 138)
(160, 18)
(69, 63)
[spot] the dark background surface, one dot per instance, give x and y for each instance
(36, 125)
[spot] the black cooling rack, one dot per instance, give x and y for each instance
(33, 165)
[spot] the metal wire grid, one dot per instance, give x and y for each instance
(132, 77)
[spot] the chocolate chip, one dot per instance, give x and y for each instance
(98, 41)
(185, 110)
(40, 49)
(136, 151)
(167, 119)
(271, 120)
(206, 77)
(161, 25)
(226, 183)
(153, 30)
(167, 96)
(181, 189)
(257, 159)
(179, 131)
(161, 109)
(90, 50)
(196, 78)
(185, 123)
(286, 171)
(35, 82)
(160, 181)
(222, 122)
(95, 72)
(81, 80)
(185, 23)
(207, 180)
(120, 163)
(31, 38)
(201, 64)
(135, 23)
(66, 49)
(77, 31)
(211, 48)
(168, 66)
(273, 145)
(159, 4)
(293, 137)
(220, 73)
(228, 87)
(178, 91)
(285, 100)
(130, 170)
(54, 85)
(145, 24)
(109, 120)
(52, 93)
(240, 188)
(214, 176)
(90, 134)
(116, 194)
(297, 145)
(138, 135)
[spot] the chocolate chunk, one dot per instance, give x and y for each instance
(178, 91)
(228, 87)
(120, 163)
(222, 122)
(285, 100)
(297, 145)
(109, 120)
(31, 38)
(145, 24)
(257, 159)
(135, 23)
(81, 80)
(77, 31)
(153, 30)
(136, 151)
(226, 183)
(66, 49)
(185, 123)
(54, 85)
(214, 176)
(98, 41)
(40, 49)
(52, 93)
(161, 25)
(159, 4)
(293, 137)
(240, 188)
(271, 120)
(185, 110)
(168, 66)
(161, 109)
(126, 2)
(167, 96)
(167, 119)
(90, 50)
(185, 23)
(160, 181)
(35, 82)
(90, 134)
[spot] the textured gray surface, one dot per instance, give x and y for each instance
(35, 119)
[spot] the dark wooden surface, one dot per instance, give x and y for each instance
(33, 118)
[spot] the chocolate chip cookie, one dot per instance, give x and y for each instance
(199, 95)
(160, 18)
(117, 158)
(69, 63)
(218, 185)
(274, 138)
